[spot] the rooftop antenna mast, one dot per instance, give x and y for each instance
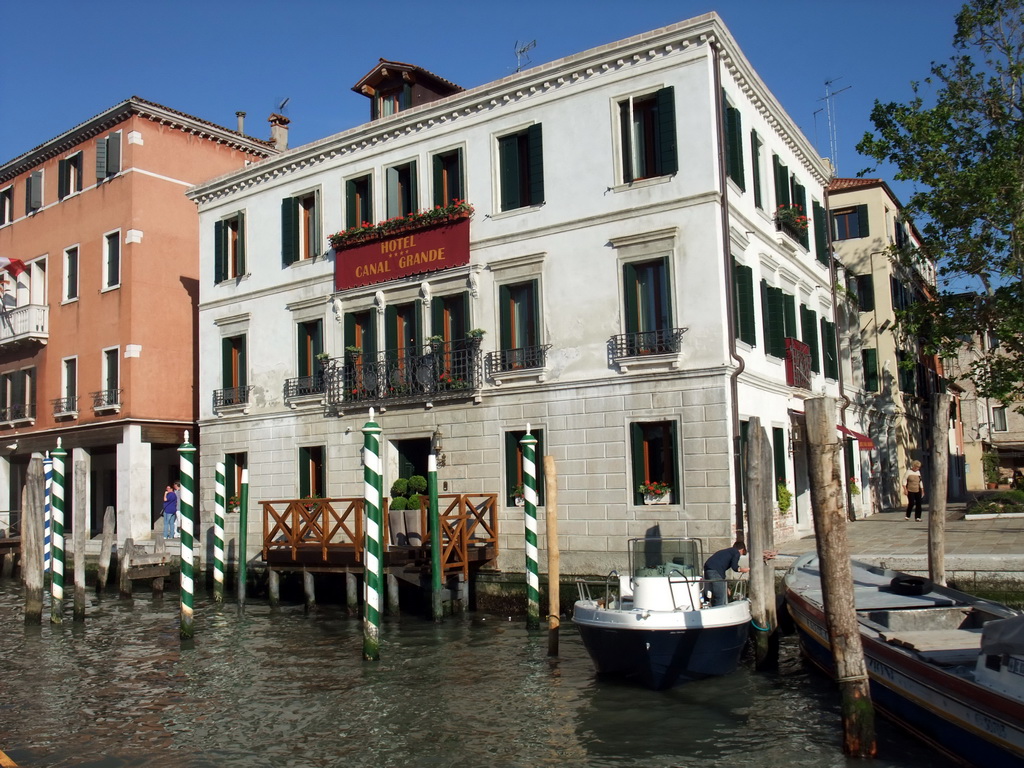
(830, 112)
(521, 50)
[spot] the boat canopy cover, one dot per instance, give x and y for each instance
(1003, 636)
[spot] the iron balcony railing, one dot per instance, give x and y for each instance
(664, 341)
(414, 374)
(305, 385)
(18, 412)
(106, 398)
(230, 396)
(520, 358)
(62, 405)
(798, 364)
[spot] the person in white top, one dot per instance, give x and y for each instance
(913, 486)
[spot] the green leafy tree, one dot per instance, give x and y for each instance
(961, 140)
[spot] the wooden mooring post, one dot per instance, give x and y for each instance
(937, 489)
(760, 487)
(837, 578)
(81, 537)
(554, 557)
(32, 540)
(106, 545)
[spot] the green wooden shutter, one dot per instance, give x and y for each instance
(733, 142)
(869, 357)
(535, 145)
(351, 214)
(800, 198)
(668, 155)
(865, 293)
(848, 454)
(391, 328)
(636, 442)
(289, 230)
(243, 364)
(508, 166)
(240, 247)
(828, 343)
(304, 464)
(820, 237)
(505, 316)
(220, 252)
(779, 450)
(862, 221)
(766, 318)
(350, 330)
(775, 322)
(629, 285)
(317, 245)
(626, 136)
(809, 335)
(511, 466)
(63, 179)
(414, 187)
(438, 174)
(226, 359)
(781, 173)
(101, 158)
(755, 165)
(304, 367)
(743, 277)
(113, 153)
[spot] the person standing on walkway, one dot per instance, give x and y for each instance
(177, 509)
(716, 566)
(170, 504)
(914, 488)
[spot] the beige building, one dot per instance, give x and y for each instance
(891, 381)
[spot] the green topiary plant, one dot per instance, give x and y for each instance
(400, 487)
(399, 502)
(785, 497)
(413, 502)
(417, 484)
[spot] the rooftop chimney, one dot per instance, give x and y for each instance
(241, 122)
(279, 131)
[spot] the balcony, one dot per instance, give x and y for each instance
(231, 399)
(22, 325)
(304, 386)
(447, 371)
(664, 341)
(65, 407)
(106, 400)
(17, 413)
(520, 362)
(798, 364)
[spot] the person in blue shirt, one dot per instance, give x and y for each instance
(170, 510)
(716, 566)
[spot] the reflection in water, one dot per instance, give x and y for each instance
(280, 688)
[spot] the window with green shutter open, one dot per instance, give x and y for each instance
(647, 135)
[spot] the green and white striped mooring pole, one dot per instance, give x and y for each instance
(57, 547)
(529, 445)
(372, 555)
(218, 533)
(186, 472)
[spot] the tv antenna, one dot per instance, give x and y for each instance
(283, 104)
(830, 113)
(521, 51)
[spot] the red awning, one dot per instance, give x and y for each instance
(864, 442)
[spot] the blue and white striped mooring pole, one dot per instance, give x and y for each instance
(372, 553)
(529, 446)
(57, 500)
(187, 453)
(47, 512)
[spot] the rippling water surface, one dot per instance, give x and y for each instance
(282, 688)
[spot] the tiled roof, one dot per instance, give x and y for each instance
(365, 79)
(838, 184)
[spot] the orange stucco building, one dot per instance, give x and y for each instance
(98, 334)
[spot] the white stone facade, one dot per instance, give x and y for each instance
(591, 226)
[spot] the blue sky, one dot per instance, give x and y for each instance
(67, 61)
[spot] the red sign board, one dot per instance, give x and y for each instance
(401, 255)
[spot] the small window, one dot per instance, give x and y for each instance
(733, 142)
(869, 360)
(778, 318)
(448, 181)
(69, 380)
(310, 344)
(821, 250)
(358, 201)
(865, 293)
(108, 156)
(112, 260)
(311, 472)
(111, 369)
(234, 465)
(999, 418)
(71, 274)
(69, 175)
(33, 192)
(809, 335)
(229, 248)
(850, 223)
(647, 135)
(755, 163)
(521, 168)
(519, 319)
(514, 477)
(234, 364)
(655, 450)
(647, 304)
(300, 227)
(6, 205)
(401, 190)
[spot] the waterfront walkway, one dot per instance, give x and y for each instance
(888, 539)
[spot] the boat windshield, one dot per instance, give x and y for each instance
(664, 557)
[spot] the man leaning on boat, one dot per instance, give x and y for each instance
(715, 569)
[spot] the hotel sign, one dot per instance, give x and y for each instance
(411, 252)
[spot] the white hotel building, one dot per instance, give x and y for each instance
(640, 301)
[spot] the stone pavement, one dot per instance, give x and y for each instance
(889, 540)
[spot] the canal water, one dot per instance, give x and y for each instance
(282, 688)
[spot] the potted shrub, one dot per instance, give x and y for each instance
(990, 468)
(400, 488)
(785, 497)
(518, 495)
(417, 485)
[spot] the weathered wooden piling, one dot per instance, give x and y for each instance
(760, 488)
(309, 590)
(837, 578)
(81, 536)
(124, 559)
(160, 551)
(273, 588)
(352, 593)
(554, 556)
(32, 540)
(106, 545)
(937, 489)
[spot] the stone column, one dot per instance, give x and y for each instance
(134, 486)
